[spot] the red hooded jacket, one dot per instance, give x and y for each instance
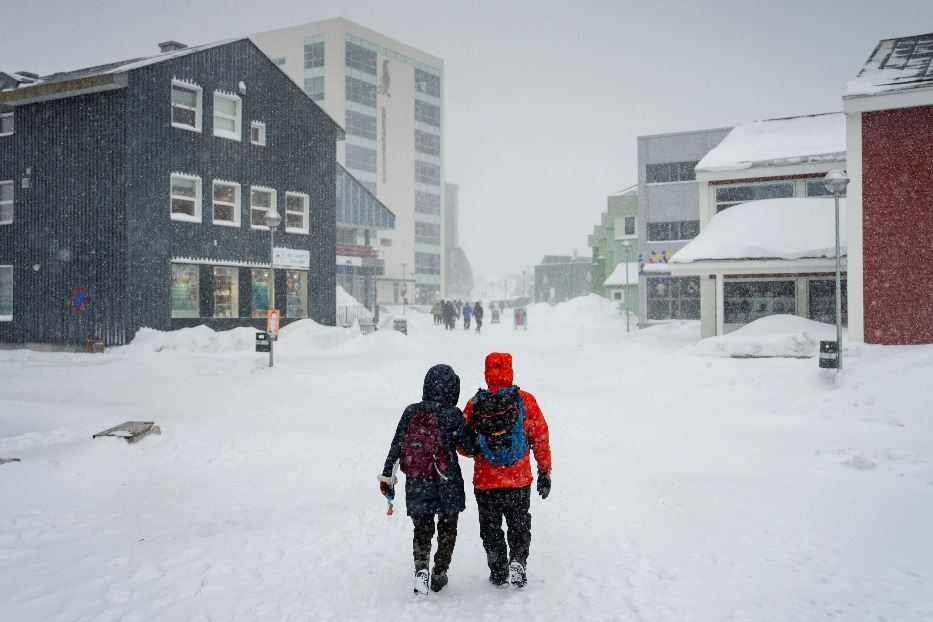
(485, 475)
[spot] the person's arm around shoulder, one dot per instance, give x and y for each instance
(539, 441)
(467, 444)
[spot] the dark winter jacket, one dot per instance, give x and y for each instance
(442, 496)
(478, 311)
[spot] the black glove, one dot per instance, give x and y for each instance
(544, 484)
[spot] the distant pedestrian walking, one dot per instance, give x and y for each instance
(449, 317)
(478, 315)
(467, 313)
(436, 310)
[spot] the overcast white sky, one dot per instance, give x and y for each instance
(544, 99)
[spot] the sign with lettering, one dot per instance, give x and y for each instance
(291, 258)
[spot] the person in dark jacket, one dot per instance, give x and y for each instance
(441, 497)
(449, 315)
(478, 315)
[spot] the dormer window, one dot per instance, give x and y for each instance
(228, 111)
(6, 123)
(186, 106)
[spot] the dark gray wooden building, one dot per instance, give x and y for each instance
(133, 194)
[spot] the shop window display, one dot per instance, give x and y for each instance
(185, 291)
(226, 298)
(296, 282)
(261, 290)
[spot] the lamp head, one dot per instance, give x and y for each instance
(836, 181)
(272, 219)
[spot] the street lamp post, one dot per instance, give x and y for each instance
(271, 220)
(836, 182)
(626, 244)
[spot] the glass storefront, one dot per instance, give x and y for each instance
(226, 292)
(673, 298)
(822, 298)
(296, 284)
(6, 291)
(261, 292)
(747, 301)
(185, 291)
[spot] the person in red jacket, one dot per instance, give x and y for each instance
(510, 427)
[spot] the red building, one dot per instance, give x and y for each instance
(889, 135)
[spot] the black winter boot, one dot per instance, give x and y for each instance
(438, 581)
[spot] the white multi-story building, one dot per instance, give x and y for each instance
(388, 97)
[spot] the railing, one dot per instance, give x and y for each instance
(347, 315)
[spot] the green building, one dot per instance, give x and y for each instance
(618, 226)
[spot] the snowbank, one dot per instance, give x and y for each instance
(770, 229)
(772, 336)
(196, 339)
(775, 142)
(309, 335)
(590, 312)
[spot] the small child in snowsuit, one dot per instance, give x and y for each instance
(467, 312)
(425, 445)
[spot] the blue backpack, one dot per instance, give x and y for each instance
(499, 420)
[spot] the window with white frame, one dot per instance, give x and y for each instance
(257, 133)
(186, 197)
(6, 293)
(296, 212)
(186, 105)
(6, 124)
(228, 112)
(226, 203)
(261, 200)
(6, 202)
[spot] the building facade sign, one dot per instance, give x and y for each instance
(291, 258)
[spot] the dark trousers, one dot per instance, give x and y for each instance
(446, 539)
(513, 504)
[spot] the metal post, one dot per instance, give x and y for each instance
(404, 286)
(627, 246)
(838, 292)
(271, 296)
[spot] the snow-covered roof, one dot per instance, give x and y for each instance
(617, 277)
(896, 65)
(633, 189)
(799, 228)
(117, 67)
(776, 142)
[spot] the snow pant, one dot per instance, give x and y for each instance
(466, 323)
(479, 324)
(513, 504)
(446, 539)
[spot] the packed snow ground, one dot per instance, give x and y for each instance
(685, 487)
